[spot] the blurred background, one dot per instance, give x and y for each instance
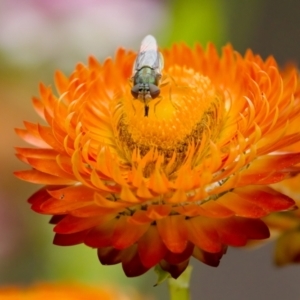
(39, 36)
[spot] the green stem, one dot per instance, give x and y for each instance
(180, 288)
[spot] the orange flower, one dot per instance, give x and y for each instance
(188, 180)
(63, 291)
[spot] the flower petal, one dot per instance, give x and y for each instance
(126, 233)
(177, 258)
(210, 259)
(174, 270)
(110, 255)
(173, 233)
(131, 262)
(202, 233)
(151, 248)
(102, 234)
(71, 224)
(35, 176)
(236, 231)
(69, 239)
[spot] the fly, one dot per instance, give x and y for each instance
(147, 72)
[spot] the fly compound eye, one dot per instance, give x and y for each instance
(135, 91)
(154, 90)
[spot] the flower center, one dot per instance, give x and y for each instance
(188, 106)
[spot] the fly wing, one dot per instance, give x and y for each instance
(148, 55)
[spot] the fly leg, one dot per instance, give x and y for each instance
(146, 110)
(156, 105)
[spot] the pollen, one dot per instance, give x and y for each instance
(188, 106)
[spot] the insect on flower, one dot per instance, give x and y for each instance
(190, 180)
(147, 72)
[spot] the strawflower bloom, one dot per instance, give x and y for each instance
(190, 179)
(64, 291)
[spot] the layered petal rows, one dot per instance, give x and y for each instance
(191, 179)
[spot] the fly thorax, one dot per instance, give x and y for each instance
(145, 76)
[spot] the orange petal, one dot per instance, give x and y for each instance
(143, 191)
(47, 135)
(37, 153)
(61, 82)
(128, 196)
(35, 176)
(76, 193)
(217, 210)
(126, 234)
(202, 233)
(266, 198)
(39, 107)
(159, 211)
(173, 232)
(54, 206)
(64, 161)
(179, 196)
(49, 166)
(177, 258)
(92, 210)
(241, 206)
(236, 231)
(268, 164)
(158, 182)
(40, 196)
(99, 184)
(101, 235)
(31, 138)
(139, 217)
(71, 224)
(104, 202)
(209, 209)
(151, 249)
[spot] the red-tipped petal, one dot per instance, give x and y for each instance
(266, 198)
(110, 255)
(177, 258)
(101, 235)
(131, 263)
(237, 231)
(71, 224)
(210, 259)
(173, 232)
(54, 206)
(126, 234)
(69, 239)
(203, 234)
(174, 270)
(151, 248)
